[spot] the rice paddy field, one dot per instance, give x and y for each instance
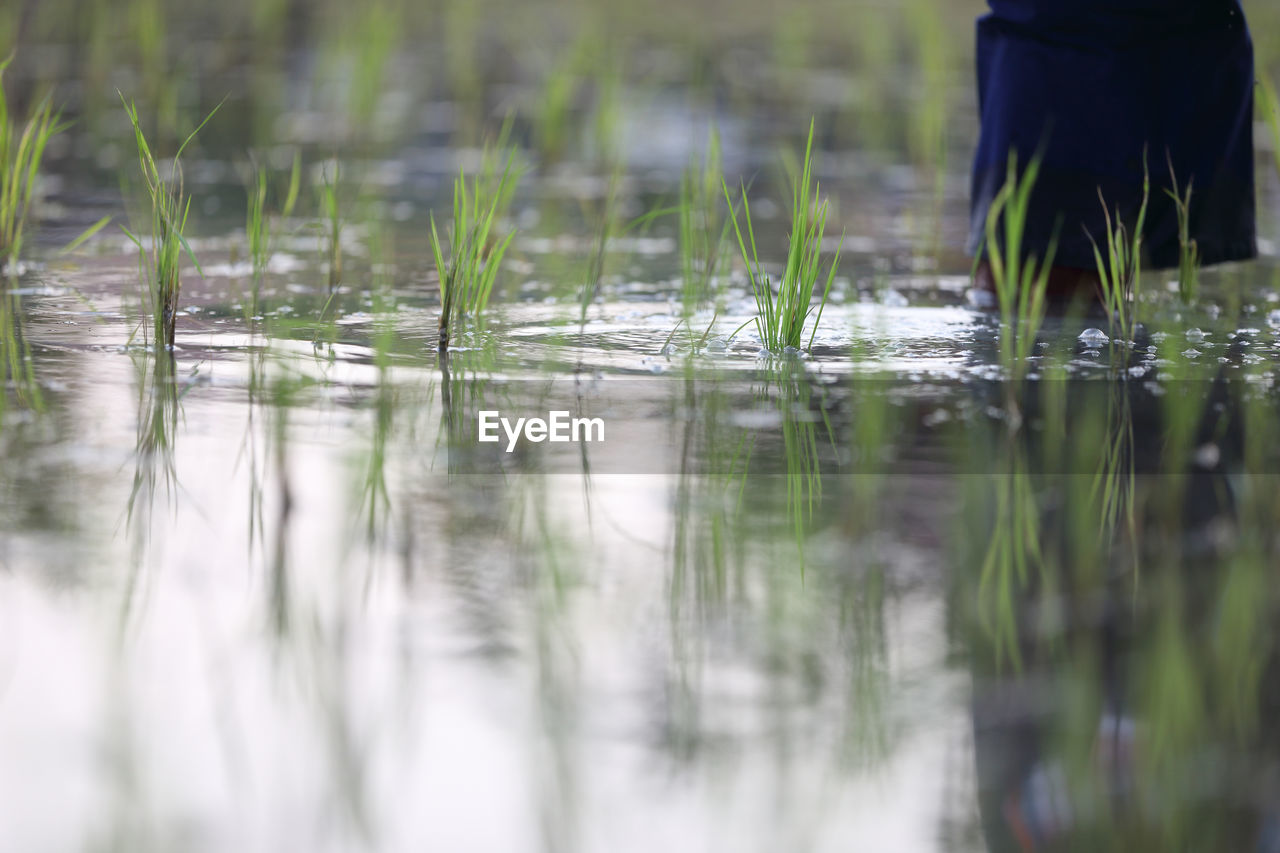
(847, 564)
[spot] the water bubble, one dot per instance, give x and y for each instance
(1191, 353)
(1093, 338)
(1195, 336)
(1273, 319)
(653, 366)
(792, 351)
(717, 345)
(980, 299)
(936, 418)
(1208, 456)
(893, 299)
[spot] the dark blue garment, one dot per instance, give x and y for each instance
(1093, 85)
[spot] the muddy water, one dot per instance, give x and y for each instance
(271, 597)
(270, 591)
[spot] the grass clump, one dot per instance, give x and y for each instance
(1120, 268)
(475, 252)
(20, 156)
(781, 317)
(1021, 280)
(160, 265)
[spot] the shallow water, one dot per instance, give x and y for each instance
(270, 591)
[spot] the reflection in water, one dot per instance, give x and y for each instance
(375, 499)
(848, 601)
(155, 472)
(800, 409)
(762, 580)
(761, 627)
(1122, 653)
(556, 575)
(283, 392)
(17, 368)
(715, 457)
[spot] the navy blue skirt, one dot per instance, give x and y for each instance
(1098, 86)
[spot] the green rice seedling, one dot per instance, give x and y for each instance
(20, 156)
(607, 229)
(258, 229)
(695, 342)
(1021, 280)
(462, 24)
(378, 29)
(170, 205)
(1189, 250)
(558, 95)
(494, 162)
(781, 318)
(1271, 112)
(1120, 270)
(876, 44)
(703, 228)
(604, 233)
(331, 221)
(148, 29)
(929, 117)
(589, 57)
(475, 252)
(793, 43)
(295, 184)
(932, 44)
(258, 223)
(608, 108)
